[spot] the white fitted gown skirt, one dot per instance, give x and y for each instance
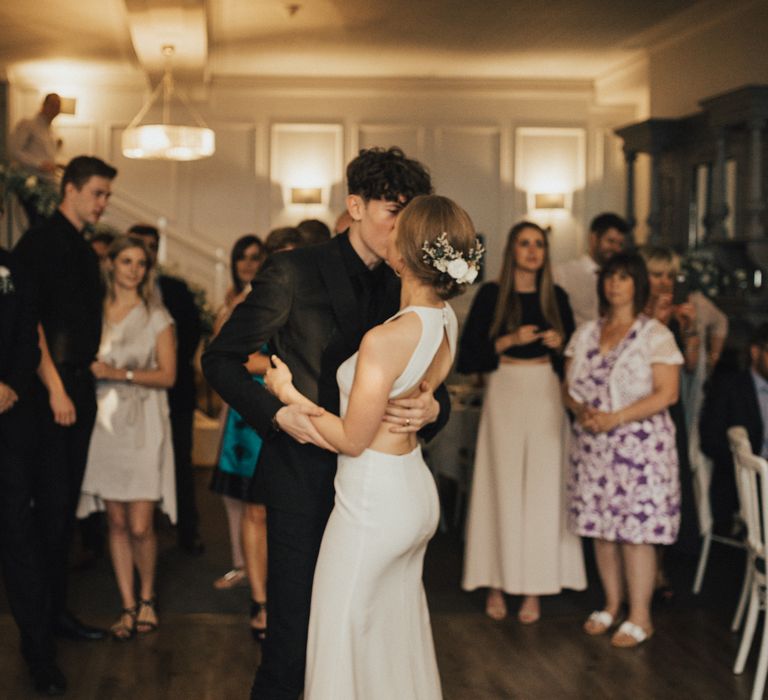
(369, 631)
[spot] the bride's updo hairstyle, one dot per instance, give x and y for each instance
(438, 244)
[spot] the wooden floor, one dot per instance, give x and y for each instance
(204, 651)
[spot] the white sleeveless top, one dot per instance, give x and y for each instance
(434, 323)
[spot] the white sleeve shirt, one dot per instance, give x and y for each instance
(578, 278)
(33, 143)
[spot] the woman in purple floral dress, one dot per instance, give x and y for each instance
(622, 374)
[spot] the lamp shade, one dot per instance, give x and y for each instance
(168, 142)
(549, 201)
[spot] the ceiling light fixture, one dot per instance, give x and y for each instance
(167, 141)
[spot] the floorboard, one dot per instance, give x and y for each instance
(204, 650)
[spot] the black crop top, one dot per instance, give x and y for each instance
(476, 348)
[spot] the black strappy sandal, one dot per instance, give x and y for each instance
(120, 631)
(145, 626)
(259, 633)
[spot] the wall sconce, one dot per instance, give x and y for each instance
(549, 201)
(68, 105)
(306, 195)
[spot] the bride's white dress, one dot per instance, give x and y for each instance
(369, 631)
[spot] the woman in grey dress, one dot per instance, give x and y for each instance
(130, 460)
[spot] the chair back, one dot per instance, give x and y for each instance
(752, 488)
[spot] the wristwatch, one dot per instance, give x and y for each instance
(129, 375)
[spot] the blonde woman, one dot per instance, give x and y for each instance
(130, 461)
(516, 331)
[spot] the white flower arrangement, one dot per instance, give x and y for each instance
(445, 258)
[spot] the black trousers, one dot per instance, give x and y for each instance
(181, 433)
(64, 453)
(31, 508)
(293, 543)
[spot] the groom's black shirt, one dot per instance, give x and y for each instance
(369, 285)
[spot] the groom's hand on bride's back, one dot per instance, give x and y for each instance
(412, 414)
(295, 421)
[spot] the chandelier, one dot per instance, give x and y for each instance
(167, 141)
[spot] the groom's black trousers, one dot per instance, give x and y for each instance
(293, 543)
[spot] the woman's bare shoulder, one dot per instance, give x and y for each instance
(394, 340)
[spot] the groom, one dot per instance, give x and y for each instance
(314, 305)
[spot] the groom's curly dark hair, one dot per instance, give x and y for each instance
(379, 173)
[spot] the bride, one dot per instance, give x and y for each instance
(369, 631)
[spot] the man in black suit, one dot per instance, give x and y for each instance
(313, 305)
(182, 395)
(67, 291)
(735, 399)
(24, 484)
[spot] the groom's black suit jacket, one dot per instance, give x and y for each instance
(304, 303)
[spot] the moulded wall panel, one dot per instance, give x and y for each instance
(225, 193)
(149, 183)
(552, 160)
(407, 137)
(466, 167)
(76, 140)
(306, 156)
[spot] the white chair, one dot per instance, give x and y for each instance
(752, 487)
(701, 466)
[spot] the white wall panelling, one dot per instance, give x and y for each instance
(463, 130)
(76, 139)
(466, 168)
(553, 160)
(306, 155)
(408, 137)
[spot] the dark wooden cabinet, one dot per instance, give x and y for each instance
(708, 189)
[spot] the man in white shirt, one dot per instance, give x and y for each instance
(578, 277)
(33, 143)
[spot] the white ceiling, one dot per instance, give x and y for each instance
(444, 38)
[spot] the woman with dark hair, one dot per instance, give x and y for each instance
(130, 466)
(240, 448)
(622, 375)
(517, 328)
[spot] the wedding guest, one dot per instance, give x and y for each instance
(67, 291)
(239, 453)
(679, 315)
(285, 238)
(516, 331)
(735, 398)
(314, 231)
(607, 236)
(24, 482)
(100, 243)
(130, 460)
(712, 331)
(621, 377)
(343, 222)
(34, 145)
(177, 298)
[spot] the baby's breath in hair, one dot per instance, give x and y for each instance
(445, 258)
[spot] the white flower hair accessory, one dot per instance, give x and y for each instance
(6, 281)
(445, 258)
